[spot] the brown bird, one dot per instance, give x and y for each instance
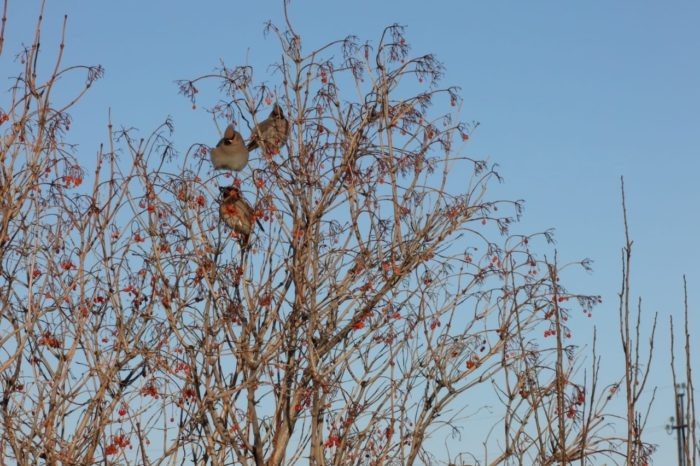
(235, 212)
(230, 153)
(271, 133)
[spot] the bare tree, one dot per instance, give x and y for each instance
(377, 286)
(684, 391)
(636, 374)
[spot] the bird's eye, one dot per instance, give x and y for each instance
(227, 142)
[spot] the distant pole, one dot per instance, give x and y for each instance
(678, 424)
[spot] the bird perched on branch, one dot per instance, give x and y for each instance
(270, 134)
(235, 212)
(230, 153)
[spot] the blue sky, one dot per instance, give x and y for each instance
(570, 96)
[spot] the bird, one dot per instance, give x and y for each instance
(236, 212)
(271, 133)
(230, 152)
